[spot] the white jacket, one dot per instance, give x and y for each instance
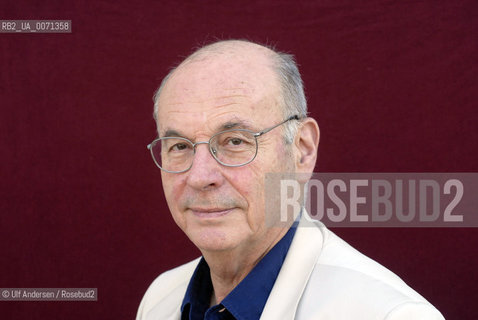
(322, 278)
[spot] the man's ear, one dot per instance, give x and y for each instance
(307, 144)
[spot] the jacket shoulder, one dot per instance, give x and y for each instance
(165, 294)
(344, 283)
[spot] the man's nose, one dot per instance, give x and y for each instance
(205, 172)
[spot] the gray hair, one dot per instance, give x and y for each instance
(292, 88)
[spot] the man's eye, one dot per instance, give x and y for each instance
(179, 147)
(235, 141)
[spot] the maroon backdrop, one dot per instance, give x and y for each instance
(391, 83)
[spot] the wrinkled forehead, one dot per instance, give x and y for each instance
(251, 74)
(221, 88)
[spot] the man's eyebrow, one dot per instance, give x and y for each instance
(233, 124)
(172, 133)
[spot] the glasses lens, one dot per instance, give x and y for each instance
(173, 154)
(234, 147)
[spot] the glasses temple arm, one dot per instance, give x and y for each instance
(260, 133)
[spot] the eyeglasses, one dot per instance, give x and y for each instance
(231, 148)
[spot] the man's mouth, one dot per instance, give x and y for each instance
(210, 212)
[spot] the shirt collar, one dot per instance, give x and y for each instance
(249, 297)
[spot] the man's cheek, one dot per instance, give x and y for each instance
(173, 189)
(245, 180)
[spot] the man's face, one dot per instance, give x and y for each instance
(218, 207)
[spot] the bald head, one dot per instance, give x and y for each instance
(233, 50)
(237, 55)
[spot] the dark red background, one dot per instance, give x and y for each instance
(391, 83)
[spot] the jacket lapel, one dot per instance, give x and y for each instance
(295, 272)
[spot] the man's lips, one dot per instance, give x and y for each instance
(210, 212)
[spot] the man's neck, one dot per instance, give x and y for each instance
(229, 268)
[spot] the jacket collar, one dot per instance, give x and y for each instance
(296, 270)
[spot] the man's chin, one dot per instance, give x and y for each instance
(213, 239)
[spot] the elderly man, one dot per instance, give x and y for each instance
(227, 115)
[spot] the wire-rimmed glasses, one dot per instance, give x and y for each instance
(231, 148)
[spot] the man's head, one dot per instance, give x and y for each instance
(292, 98)
(233, 85)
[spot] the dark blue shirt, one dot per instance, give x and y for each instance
(248, 298)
